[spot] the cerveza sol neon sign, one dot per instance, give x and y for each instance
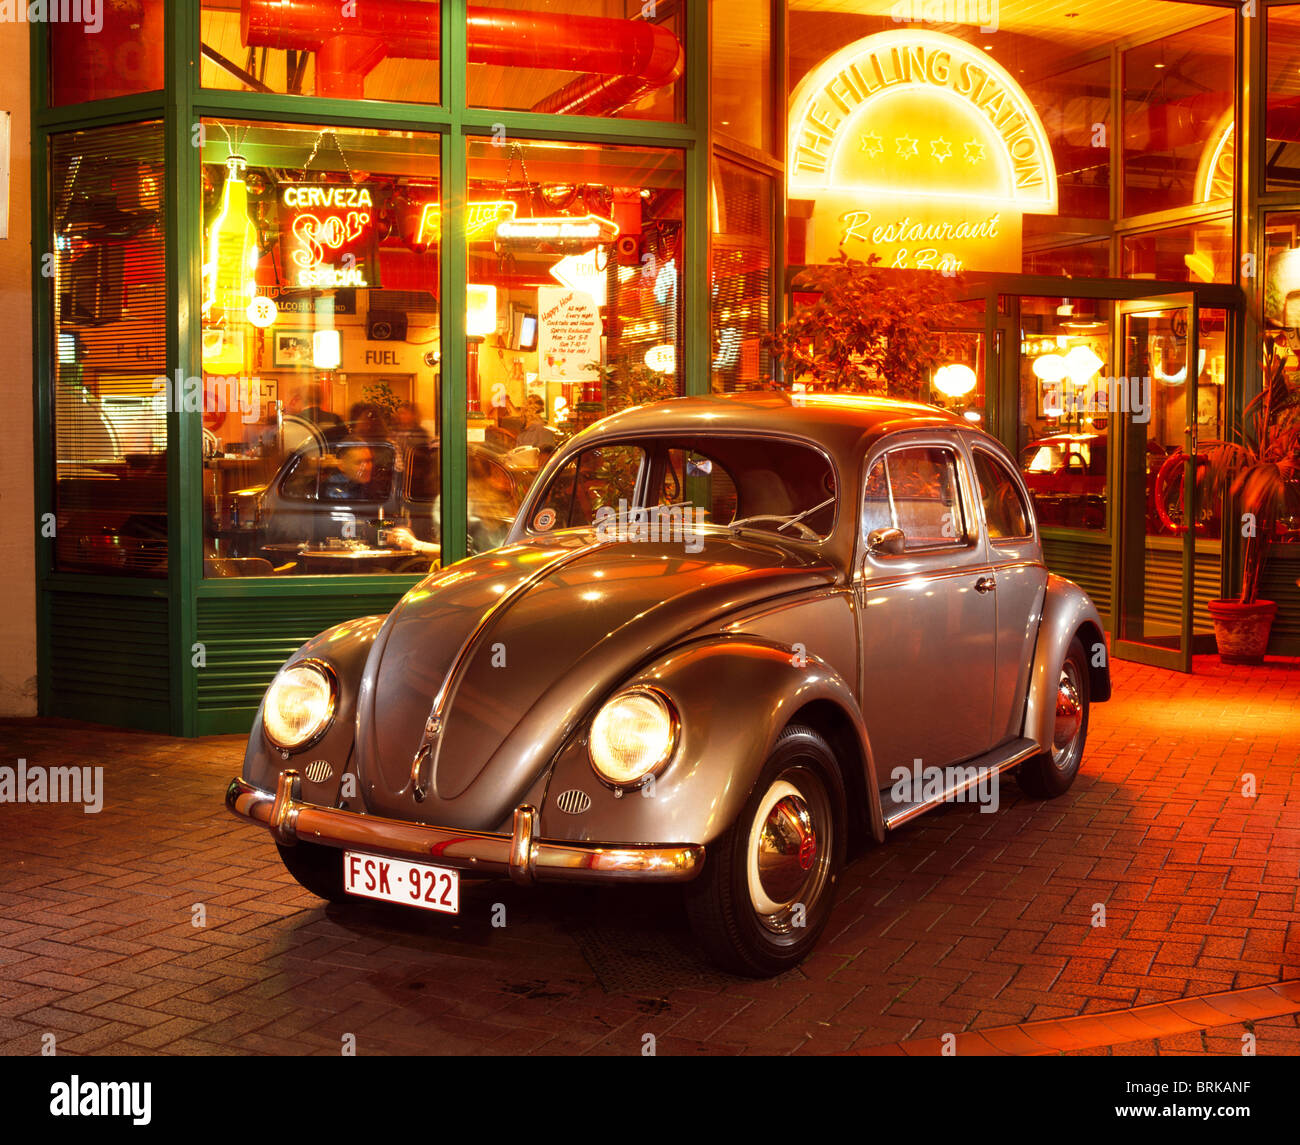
(328, 231)
(916, 146)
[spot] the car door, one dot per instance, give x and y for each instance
(1016, 560)
(928, 612)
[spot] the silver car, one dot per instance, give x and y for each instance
(728, 642)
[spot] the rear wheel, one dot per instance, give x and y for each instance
(1051, 772)
(318, 869)
(768, 883)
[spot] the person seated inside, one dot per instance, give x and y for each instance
(536, 432)
(354, 479)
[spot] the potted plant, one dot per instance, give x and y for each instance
(1260, 474)
(871, 330)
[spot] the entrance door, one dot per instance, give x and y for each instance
(1154, 407)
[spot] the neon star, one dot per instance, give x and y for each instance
(871, 144)
(941, 149)
(907, 146)
(974, 151)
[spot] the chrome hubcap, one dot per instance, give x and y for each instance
(1069, 716)
(788, 855)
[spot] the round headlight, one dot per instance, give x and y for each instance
(632, 735)
(299, 704)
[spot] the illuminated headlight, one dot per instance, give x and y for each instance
(632, 736)
(299, 704)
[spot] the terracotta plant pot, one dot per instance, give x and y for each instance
(1241, 630)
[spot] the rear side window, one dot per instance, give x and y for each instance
(1004, 508)
(916, 489)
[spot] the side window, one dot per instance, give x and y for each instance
(1004, 509)
(923, 491)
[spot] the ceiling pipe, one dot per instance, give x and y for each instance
(622, 60)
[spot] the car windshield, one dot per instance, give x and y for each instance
(745, 481)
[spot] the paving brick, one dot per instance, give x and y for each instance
(960, 922)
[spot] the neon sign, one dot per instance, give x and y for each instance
(918, 147)
(328, 235)
(584, 229)
(481, 220)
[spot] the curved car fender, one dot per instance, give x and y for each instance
(734, 695)
(1067, 610)
(344, 647)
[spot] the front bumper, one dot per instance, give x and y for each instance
(520, 855)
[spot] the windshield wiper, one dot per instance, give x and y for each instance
(806, 513)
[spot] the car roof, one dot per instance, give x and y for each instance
(840, 423)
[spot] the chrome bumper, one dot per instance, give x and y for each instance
(520, 855)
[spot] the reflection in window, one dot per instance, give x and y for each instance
(320, 335)
(916, 490)
(1004, 512)
(1282, 119)
(110, 404)
(1201, 252)
(740, 70)
(1065, 408)
(578, 57)
(1178, 118)
(384, 51)
(740, 284)
(574, 291)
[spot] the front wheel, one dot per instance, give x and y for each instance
(1050, 773)
(768, 883)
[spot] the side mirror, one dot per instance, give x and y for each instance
(886, 542)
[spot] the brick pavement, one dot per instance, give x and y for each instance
(961, 922)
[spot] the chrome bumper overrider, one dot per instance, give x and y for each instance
(521, 855)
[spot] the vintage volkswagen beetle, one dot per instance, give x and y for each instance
(722, 633)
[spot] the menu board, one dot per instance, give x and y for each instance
(568, 334)
(328, 235)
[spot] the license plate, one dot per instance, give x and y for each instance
(401, 881)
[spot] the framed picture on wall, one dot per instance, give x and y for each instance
(292, 348)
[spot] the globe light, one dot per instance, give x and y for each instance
(1051, 367)
(955, 381)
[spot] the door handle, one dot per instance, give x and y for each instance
(985, 584)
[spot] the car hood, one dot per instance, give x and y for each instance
(537, 633)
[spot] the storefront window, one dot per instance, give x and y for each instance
(102, 50)
(1282, 119)
(1066, 408)
(1199, 252)
(1075, 108)
(740, 70)
(1178, 118)
(320, 328)
(109, 292)
(573, 308)
(619, 58)
(369, 49)
(740, 278)
(1079, 260)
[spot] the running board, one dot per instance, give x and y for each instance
(959, 779)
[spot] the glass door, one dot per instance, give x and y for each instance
(1156, 509)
